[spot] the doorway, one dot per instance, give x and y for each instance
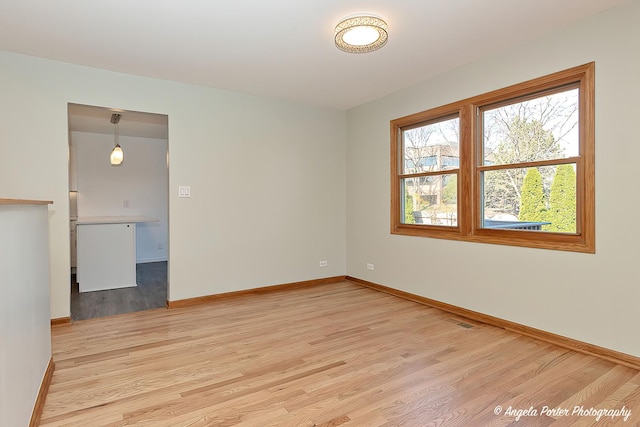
(134, 194)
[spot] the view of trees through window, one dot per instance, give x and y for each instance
(431, 153)
(541, 133)
(515, 195)
(514, 166)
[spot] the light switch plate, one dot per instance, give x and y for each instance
(184, 191)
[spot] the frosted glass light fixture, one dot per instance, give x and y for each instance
(117, 155)
(361, 34)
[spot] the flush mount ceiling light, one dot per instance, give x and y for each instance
(361, 34)
(117, 155)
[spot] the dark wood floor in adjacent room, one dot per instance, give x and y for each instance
(151, 292)
(327, 355)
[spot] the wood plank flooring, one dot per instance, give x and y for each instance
(329, 355)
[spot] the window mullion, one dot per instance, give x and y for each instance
(466, 197)
(524, 165)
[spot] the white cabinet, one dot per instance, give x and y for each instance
(106, 256)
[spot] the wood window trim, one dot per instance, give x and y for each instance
(468, 228)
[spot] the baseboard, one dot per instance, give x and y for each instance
(559, 340)
(42, 394)
(60, 321)
(266, 289)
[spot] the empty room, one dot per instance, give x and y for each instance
(319, 213)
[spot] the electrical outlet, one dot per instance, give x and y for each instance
(324, 264)
(184, 191)
(160, 246)
(369, 266)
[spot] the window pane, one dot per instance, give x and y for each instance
(544, 128)
(432, 147)
(430, 200)
(542, 198)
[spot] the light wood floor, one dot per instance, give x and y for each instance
(328, 355)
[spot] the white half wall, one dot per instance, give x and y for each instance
(25, 332)
(592, 298)
(138, 187)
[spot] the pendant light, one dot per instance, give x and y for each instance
(117, 155)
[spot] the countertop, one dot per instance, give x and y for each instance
(124, 219)
(24, 202)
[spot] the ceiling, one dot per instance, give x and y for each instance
(91, 119)
(283, 48)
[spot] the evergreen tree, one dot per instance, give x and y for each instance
(408, 209)
(532, 202)
(450, 191)
(562, 201)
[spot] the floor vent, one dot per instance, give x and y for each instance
(460, 323)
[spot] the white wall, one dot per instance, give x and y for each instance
(267, 177)
(593, 298)
(25, 334)
(141, 181)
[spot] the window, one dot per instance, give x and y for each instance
(514, 166)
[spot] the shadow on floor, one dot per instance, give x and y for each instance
(151, 292)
